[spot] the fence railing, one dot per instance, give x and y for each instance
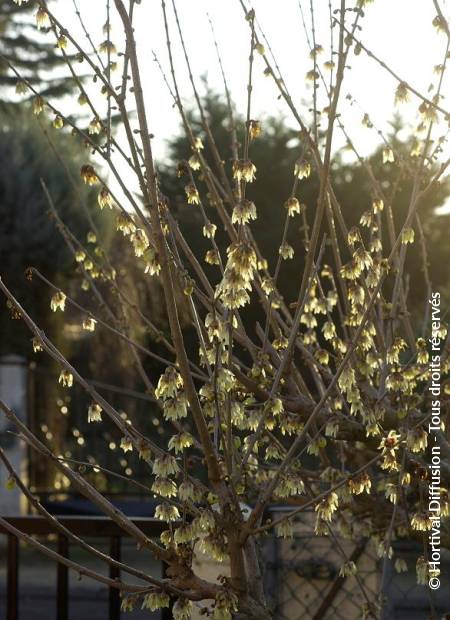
(92, 527)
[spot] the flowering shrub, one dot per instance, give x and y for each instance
(325, 403)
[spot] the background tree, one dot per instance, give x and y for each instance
(275, 153)
(39, 61)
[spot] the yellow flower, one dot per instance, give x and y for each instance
(155, 600)
(402, 93)
(254, 129)
(302, 169)
(286, 251)
(192, 194)
(378, 205)
(244, 170)
(166, 512)
(21, 87)
(38, 105)
(58, 302)
(65, 378)
(388, 155)
(293, 206)
(61, 42)
(126, 444)
(89, 324)
(327, 506)
(37, 346)
(175, 408)
(243, 212)
(400, 565)
(186, 491)
(125, 224)
(360, 484)
(184, 534)
(209, 230)
(212, 257)
(152, 264)
(198, 144)
(95, 126)
(407, 236)
(88, 175)
(348, 569)
(104, 198)
(94, 413)
(421, 522)
(165, 465)
(182, 609)
(169, 383)
(417, 439)
(107, 46)
(58, 122)
(42, 18)
(194, 162)
(225, 605)
(164, 486)
(139, 240)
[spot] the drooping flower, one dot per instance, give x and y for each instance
(254, 129)
(166, 512)
(286, 251)
(38, 105)
(58, 301)
(402, 93)
(126, 444)
(388, 155)
(66, 378)
(95, 126)
(165, 465)
(88, 175)
(243, 212)
(89, 324)
(58, 122)
(293, 206)
(302, 169)
(192, 194)
(104, 198)
(180, 442)
(182, 609)
(94, 412)
(175, 408)
(164, 486)
(407, 236)
(155, 600)
(140, 242)
(244, 170)
(194, 162)
(37, 345)
(42, 18)
(61, 42)
(169, 383)
(21, 87)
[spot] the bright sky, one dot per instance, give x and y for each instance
(399, 32)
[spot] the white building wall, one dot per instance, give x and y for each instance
(13, 392)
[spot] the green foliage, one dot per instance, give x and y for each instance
(27, 235)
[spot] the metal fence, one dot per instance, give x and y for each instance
(99, 528)
(303, 581)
